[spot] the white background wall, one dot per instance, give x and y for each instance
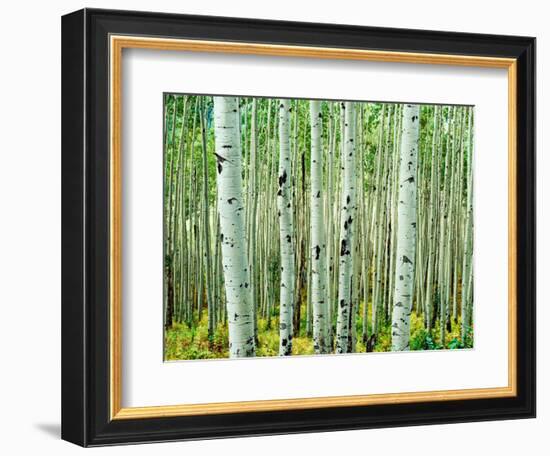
(30, 193)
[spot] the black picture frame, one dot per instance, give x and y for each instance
(85, 228)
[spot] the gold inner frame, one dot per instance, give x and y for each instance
(117, 44)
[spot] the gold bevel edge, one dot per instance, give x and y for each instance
(512, 227)
(115, 210)
(309, 403)
(117, 43)
(233, 47)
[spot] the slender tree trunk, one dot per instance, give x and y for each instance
(468, 238)
(318, 246)
(169, 290)
(176, 263)
(406, 229)
(392, 207)
(457, 203)
(251, 216)
(286, 232)
(434, 185)
(330, 227)
(347, 217)
(206, 222)
(377, 216)
(366, 209)
(233, 239)
(444, 213)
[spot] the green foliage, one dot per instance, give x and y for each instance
(184, 342)
(421, 339)
(468, 341)
(455, 343)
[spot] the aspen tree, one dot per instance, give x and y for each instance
(376, 217)
(443, 233)
(468, 238)
(347, 218)
(286, 232)
(252, 205)
(330, 225)
(318, 246)
(232, 236)
(206, 229)
(169, 282)
(406, 229)
(434, 184)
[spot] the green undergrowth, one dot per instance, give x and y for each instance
(184, 342)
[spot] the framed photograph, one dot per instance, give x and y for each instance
(279, 227)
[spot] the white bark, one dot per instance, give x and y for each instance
(286, 231)
(432, 227)
(468, 239)
(318, 244)
(347, 217)
(443, 232)
(233, 239)
(375, 218)
(252, 207)
(406, 229)
(206, 229)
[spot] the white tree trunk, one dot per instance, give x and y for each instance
(468, 239)
(432, 224)
(286, 231)
(232, 236)
(347, 217)
(318, 244)
(406, 230)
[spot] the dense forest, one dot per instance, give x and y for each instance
(314, 227)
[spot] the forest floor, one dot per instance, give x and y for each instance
(183, 342)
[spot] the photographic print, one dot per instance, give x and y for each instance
(315, 227)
